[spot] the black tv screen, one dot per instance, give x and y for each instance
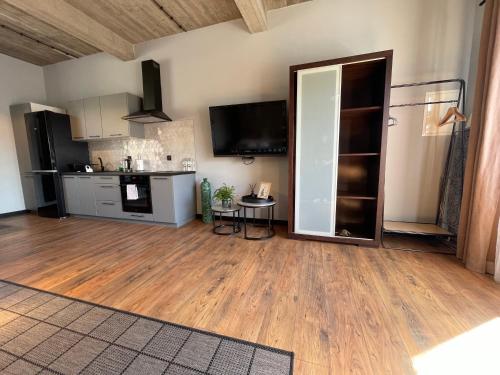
(249, 129)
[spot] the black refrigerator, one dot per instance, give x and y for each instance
(52, 152)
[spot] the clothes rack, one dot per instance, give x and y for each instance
(461, 92)
(459, 102)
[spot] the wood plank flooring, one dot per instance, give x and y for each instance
(341, 309)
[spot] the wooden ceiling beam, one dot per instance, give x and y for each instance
(24, 48)
(23, 23)
(136, 21)
(74, 22)
(193, 14)
(276, 4)
(253, 13)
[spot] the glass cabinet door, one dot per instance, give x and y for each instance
(316, 150)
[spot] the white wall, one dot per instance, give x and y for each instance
(224, 64)
(20, 82)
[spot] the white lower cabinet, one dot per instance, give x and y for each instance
(138, 216)
(87, 197)
(107, 192)
(109, 209)
(71, 195)
(173, 198)
(162, 197)
(79, 195)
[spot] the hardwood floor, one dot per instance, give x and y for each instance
(341, 309)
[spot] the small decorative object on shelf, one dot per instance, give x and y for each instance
(253, 198)
(252, 190)
(264, 190)
(225, 195)
(345, 233)
(188, 164)
(206, 200)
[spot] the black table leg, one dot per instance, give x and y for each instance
(269, 221)
(272, 217)
(269, 224)
(234, 225)
(245, 220)
(218, 228)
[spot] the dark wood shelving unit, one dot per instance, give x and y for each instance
(360, 149)
(364, 110)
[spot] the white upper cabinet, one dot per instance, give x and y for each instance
(77, 118)
(113, 108)
(101, 117)
(93, 123)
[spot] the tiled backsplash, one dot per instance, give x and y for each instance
(174, 138)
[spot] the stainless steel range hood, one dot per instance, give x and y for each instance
(152, 109)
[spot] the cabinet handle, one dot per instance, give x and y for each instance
(68, 177)
(107, 186)
(77, 137)
(161, 178)
(107, 204)
(94, 136)
(134, 215)
(115, 135)
(105, 178)
(85, 177)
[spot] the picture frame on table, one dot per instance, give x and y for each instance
(264, 190)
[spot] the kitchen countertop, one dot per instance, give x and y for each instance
(117, 173)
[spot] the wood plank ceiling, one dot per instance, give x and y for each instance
(44, 32)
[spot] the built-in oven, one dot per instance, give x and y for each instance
(136, 194)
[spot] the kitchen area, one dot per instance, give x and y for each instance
(116, 156)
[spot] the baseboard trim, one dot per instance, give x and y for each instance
(258, 220)
(14, 213)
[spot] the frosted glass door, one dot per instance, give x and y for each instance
(317, 122)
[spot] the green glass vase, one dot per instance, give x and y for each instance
(206, 200)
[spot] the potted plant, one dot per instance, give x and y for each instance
(225, 195)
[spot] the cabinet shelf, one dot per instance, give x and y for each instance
(348, 154)
(360, 197)
(360, 110)
(356, 216)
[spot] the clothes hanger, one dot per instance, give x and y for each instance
(454, 113)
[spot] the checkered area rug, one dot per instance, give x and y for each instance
(44, 333)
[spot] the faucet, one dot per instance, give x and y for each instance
(102, 165)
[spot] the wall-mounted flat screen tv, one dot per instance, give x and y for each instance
(250, 129)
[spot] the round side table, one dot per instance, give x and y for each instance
(270, 218)
(219, 229)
